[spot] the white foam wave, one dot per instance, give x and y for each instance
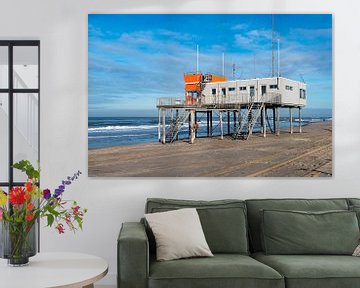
(121, 128)
(118, 136)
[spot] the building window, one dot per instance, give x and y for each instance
(231, 89)
(242, 88)
(287, 87)
(223, 90)
(213, 91)
(273, 86)
(19, 108)
(302, 94)
(252, 91)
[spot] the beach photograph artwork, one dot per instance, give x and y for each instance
(210, 95)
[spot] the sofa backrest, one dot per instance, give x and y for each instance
(256, 205)
(223, 221)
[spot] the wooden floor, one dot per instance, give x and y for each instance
(307, 154)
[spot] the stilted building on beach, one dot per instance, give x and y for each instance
(243, 104)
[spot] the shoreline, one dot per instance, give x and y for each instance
(94, 144)
(307, 154)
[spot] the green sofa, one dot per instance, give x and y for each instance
(234, 232)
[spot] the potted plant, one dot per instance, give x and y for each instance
(21, 208)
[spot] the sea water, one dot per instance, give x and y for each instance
(118, 131)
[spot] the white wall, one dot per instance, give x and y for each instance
(61, 25)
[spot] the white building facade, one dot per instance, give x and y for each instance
(277, 90)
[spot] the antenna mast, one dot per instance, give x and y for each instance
(223, 64)
(197, 59)
(254, 66)
(278, 57)
(272, 42)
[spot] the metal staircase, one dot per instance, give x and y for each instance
(175, 126)
(249, 119)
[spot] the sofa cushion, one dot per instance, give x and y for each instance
(178, 234)
(353, 201)
(223, 221)
(313, 271)
(356, 209)
(255, 206)
(222, 270)
(297, 232)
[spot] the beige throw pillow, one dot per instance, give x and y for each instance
(178, 234)
(357, 251)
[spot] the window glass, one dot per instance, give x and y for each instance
(25, 61)
(231, 89)
(252, 91)
(4, 67)
(26, 131)
(4, 137)
(302, 94)
(213, 91)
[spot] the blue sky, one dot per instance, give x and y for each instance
(134, 59)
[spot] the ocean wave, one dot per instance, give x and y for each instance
(118, 136)
(121, 128)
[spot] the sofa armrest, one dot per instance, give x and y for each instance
(133, 256)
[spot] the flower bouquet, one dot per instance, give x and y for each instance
(21, 208)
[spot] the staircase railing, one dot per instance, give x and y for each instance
(250, 119)
(175, 126)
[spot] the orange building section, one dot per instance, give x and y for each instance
(194, 84)
(193, 87)
(190, 78)
(216, 78)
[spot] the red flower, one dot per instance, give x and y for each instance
(27, 196)
(17, 196)
(29, 186)
(68, 219)
(75, 209)
(29, 206)
(29, 217)
(60, 228)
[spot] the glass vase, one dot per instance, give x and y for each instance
(18, 242)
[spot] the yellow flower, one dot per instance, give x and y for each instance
(3, 198)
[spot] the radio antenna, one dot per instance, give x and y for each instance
(223, 64)
(278, 56)
(272, 43)
(197, 59)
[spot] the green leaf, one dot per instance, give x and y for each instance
(50, 219)
(28, 168)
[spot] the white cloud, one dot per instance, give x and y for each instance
(253, 39)
(240, 26)
(310, 33)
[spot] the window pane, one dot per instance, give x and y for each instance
(4, 67)
(26, 67)
(25, 130)
(4, 137)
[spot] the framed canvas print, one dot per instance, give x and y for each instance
(205, 95)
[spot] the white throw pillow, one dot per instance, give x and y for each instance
(357, 251)
(178, 234)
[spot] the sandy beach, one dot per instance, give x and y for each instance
(306, 154)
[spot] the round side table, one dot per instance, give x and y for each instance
(50, 270)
